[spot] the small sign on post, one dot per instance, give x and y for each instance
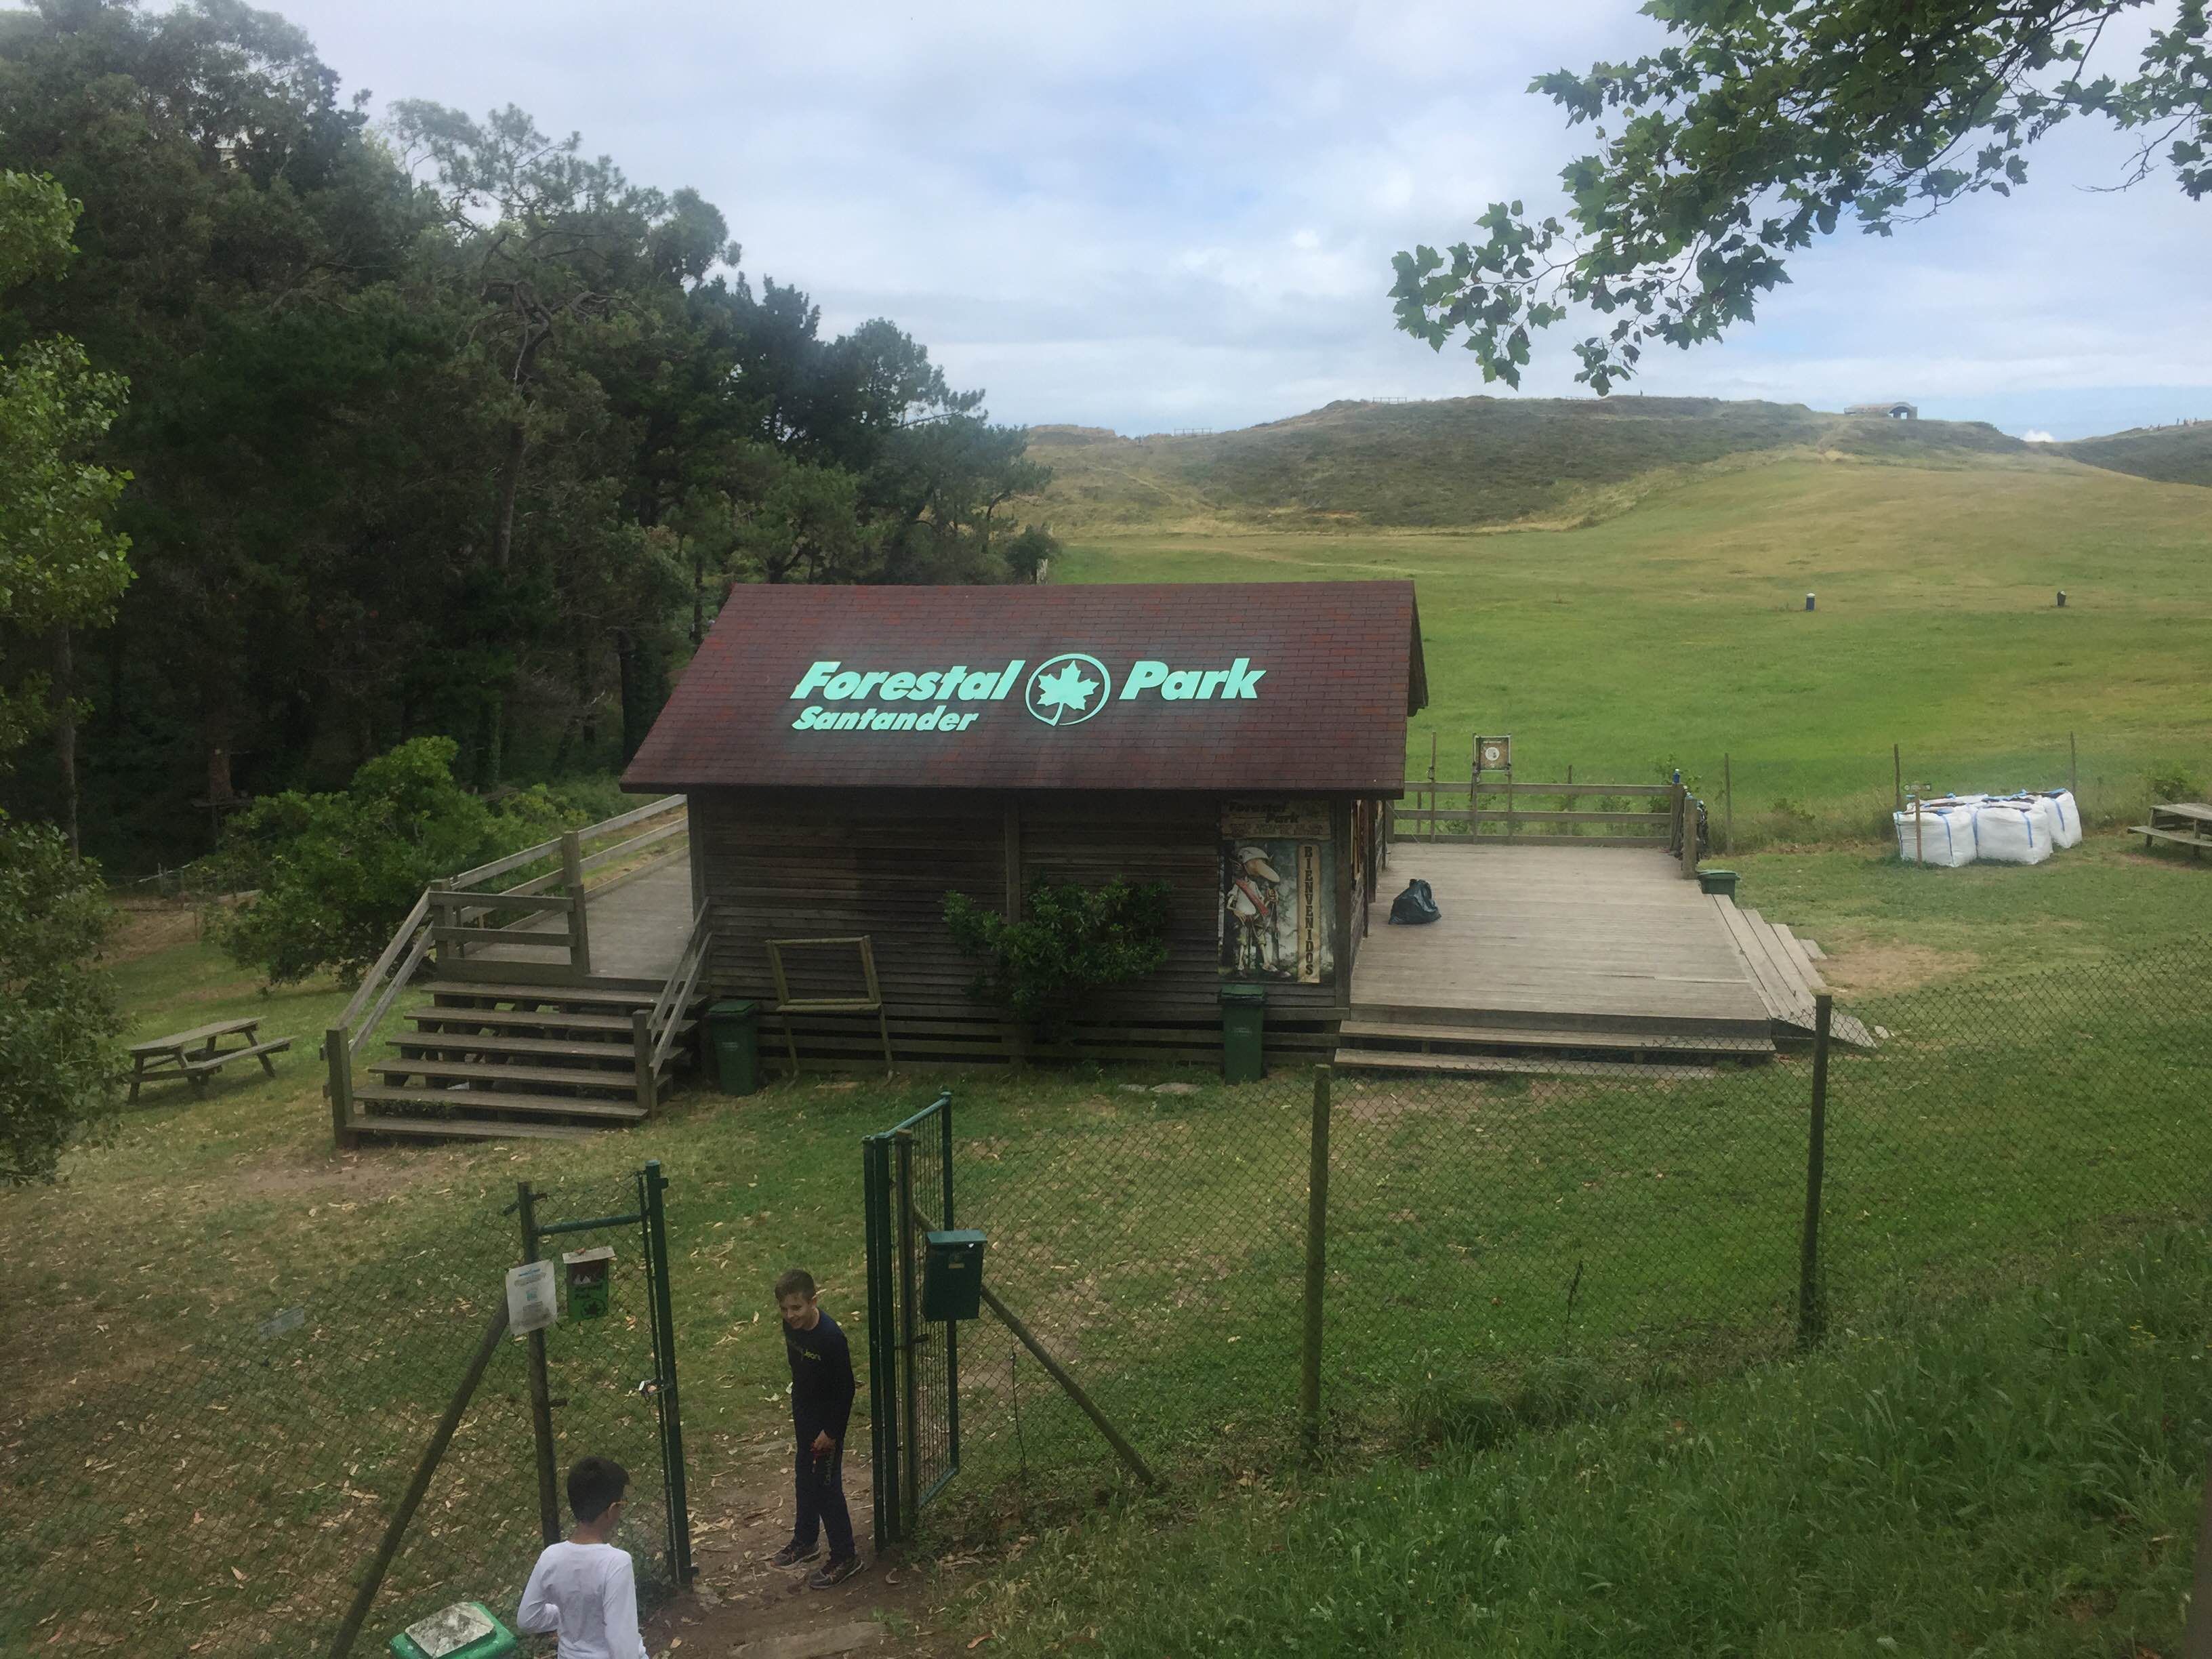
(531, 1304)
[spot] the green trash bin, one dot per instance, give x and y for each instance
(1717, 881)
(1244, 1018)
(733, 1035)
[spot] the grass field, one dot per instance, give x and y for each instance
(2023, 1482)
(1153, 1238)
(1675, 635)
(1517, 1265)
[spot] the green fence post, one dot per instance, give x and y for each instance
(951, 1326)
(1316, 1265)
(664, 1361)
(883, 1363)
(1811, 1310)
(541, 1389)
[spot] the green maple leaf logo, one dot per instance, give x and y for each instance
(1068, 689)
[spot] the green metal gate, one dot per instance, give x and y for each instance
(605, 1383)
(913, 1369)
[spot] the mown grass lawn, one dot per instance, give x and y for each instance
(1675, 635)
(2021, 1481)
(1480, 1235)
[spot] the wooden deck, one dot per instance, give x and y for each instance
(638, 927)
(1605, 940)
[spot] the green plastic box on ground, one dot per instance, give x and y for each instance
(466, 1629)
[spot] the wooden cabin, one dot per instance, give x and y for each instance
(853, 755)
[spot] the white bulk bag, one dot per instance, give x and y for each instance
(1941, 835)
(2008, 832)
(2067, 832)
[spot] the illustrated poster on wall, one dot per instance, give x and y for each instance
(1278, 891)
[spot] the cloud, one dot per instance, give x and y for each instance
(1143, 214)
(2031, 435)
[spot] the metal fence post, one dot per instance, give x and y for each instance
(1812, 1308)
(372, 1576)
(883, 1348)
(1316, 1265)
(671, 1409)
(541, 1391)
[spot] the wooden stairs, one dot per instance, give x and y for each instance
(490, 1060)
(1782, 967)
(1623, 1047)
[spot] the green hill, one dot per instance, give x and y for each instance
(1665, 624)
(2171, 455)
(1462, 463)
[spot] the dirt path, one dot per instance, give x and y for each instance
(742, 1605)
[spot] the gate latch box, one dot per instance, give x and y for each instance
(466, 1629)
(587, 1272)
(952, 1276)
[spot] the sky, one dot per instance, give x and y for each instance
(1152, 216)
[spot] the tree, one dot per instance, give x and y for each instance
(1768, 122)
(335, 873)
(60, 567)
(61, 1066)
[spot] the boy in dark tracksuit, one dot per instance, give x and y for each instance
(822, 1389)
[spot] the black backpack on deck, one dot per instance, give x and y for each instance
(1415, 905)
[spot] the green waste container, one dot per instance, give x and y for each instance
(1717, 881)
(1243, 1018)
(733, 1034)
(467, 1629)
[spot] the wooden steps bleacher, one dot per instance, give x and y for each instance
(1788, 982)
(492, 1061)
(1378, 1059)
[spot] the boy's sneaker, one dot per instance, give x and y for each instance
(791, 1556)
(836, 1572)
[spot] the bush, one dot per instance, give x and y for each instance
(337, 874)
(2170, 780)
(61, 1066)
(1076, 940)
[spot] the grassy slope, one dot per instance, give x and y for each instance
(1675, 633)
(2173, 454)
(1454, 463)
(208, 1214)
(2023, 1484)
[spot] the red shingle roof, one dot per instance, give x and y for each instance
(1273, 687)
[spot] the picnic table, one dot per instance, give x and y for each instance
(2186, 823)
(197, 1055)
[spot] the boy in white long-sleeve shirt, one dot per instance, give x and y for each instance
(584, 1587)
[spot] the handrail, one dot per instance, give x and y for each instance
(666, 1014)
(635, 843)
(354, 1041)
(546, 849)
(398, 943)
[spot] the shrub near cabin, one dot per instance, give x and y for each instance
(832, 683)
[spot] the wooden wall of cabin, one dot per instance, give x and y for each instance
(808, 864)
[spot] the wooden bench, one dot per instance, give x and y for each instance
(2184, 824)
(197, 1055)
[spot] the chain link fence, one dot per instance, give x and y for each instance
(216, 1485)
(1504, 1248)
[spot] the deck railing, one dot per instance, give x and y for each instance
(1494, 811)
(465, 912)
(655, 1031)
